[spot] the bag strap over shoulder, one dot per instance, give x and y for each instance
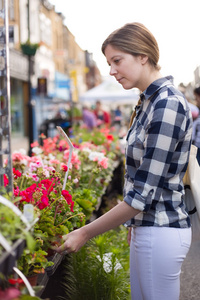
(191, 179)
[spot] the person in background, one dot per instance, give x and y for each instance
(103, 117)
(117, 115)
(89, 118)
(196, 124)
(117, 119)
(157, 153)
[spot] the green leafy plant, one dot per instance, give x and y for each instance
(13, 228)
(101, 268)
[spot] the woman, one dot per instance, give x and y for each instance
(158, 144)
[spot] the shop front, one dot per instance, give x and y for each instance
(18, 93)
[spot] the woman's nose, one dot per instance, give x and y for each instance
(112, 70)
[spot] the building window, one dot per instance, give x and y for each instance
(11, 10)
(45, 29)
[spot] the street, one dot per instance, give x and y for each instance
(190, 275)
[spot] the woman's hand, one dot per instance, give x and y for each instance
(129, 236)
(118, 215)
(73, 241)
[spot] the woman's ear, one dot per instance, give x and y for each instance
(144, 58)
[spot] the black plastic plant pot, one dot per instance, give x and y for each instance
(8, 260)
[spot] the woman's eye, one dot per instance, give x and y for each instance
(116, 61)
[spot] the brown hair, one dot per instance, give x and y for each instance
(197, 91)
(135, 39)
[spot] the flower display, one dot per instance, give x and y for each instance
(39, 179)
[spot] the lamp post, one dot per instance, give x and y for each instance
(30, 104)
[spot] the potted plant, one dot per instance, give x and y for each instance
(39, 180)
(29, 48)
(15, 236)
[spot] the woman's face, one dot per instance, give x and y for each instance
(126, 68)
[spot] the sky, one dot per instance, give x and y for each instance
(174, 23)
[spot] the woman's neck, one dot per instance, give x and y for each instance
(150, 75)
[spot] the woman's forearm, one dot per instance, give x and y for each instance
(110, 220)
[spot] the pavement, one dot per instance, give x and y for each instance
(18, 143)
(190, 275)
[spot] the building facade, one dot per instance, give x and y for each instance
(56, 75)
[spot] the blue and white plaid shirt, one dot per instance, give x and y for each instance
(157, 152)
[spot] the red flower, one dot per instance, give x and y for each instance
(110, 137)
(68, 198)
(44, 202)
(27, 195)
(5, 179)
(47, 184)
(16, 173)
(64, 168)
(15, 280)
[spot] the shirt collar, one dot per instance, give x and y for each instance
(155, 86)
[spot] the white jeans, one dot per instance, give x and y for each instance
(156, 256)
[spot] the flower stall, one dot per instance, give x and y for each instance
(63, 181)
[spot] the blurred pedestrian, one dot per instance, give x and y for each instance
(196, 124)
(117, 118)
(103, 117)
(157, 153)
(89, 118)
(118, 115)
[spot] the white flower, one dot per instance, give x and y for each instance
(86, 149)
(107, 262)
(37, 150)
(21, 150)
(51, 156)
(96, 155)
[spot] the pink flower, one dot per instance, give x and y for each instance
(54, 161)
(104, 163)
(35, 144)
(63, 145)
(10, 293)
(75, 162)
(16, 191)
